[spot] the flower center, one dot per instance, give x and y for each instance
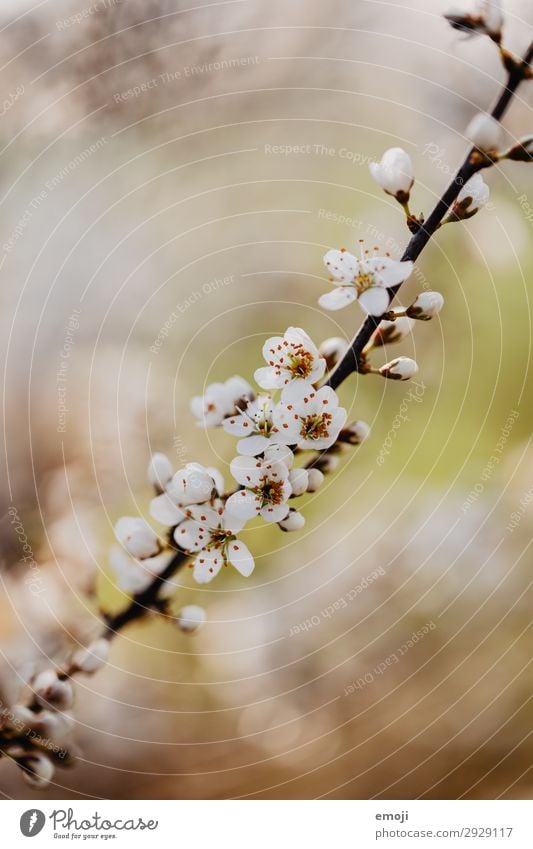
(219, 538)
(316, 427)
(269, 491)
(364, 280)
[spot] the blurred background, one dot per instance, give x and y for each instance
(172, 174)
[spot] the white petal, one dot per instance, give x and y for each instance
(246, 470)
(274, 513)
(163, 510)
(243, 505)
(341, 265)
(296, 390)
(374, 301)
(266, 378)
(239, 556)
(232, 523)
(389, 271)
(280, 454)
(253, 445)
(206, 566)
(338, 298)
(191, 535)
(238, 425)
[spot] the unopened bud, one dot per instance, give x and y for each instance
(426, 306)
(332, 350)
(402, 368)
(327, 463)
(191, 618)
(294, 521)
(394, 173)
(315, 479)
(474, 194)
(137, 537)
(160, 471)
(521, 152)
(485, 132)
(51, 691)
(389, 332)
(93, 657)
(355, 433)
(486, 19)
(38, 769)
(298, 479)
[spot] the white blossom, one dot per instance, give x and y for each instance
(390, 332)
(254, 424)
(299, 480)
(265, 491)
(220, 400)
(193, 484)
(315, 479)
(491, 14)
(51, 691)
(402, 368)
(137, 537)
(474, 194)
(133, 576)
(191, 618)
(364, 280)
(292, 359)
(485, 132)
(160, 471)
(294, 521)
(211, 533)
(394, 173)
(426, 306)
(93, 657)
(311, 421)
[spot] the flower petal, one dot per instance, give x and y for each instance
(266, 378)
(240, 557)
(163, 510)
(341, 265)
(274, 513)
(243, 504)
(374, 301)
(389, 271)
(338, 298)
(253, 445)
(206, 566)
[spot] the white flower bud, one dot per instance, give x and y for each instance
(332, 350)
(54, 725)
(93, 657)
(298, 479)
(402, 368)
(294, 521)
(315, 479)
(160, 471)
(191, 618)
(50, 691)
(426, 306)
(137, 537)
(327, 463)
(355, 433)
(490, 12)
(474, 194)
(394, 173)
(390, 332)
(38, 769)
(484, 132)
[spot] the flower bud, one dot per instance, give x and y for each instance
(50, 691)
(394, 173)
(38, 769)
(294, 521)
(327, 463)
(93, 657)
(486, 19)
(191, 618)
(402, 368)
(521, 152)
(160, 471)
(137, 537)
(485, 132)
(389, 332)
(474, 194)
(426, 306)
(298, 479)
(355, 433)
(332, 350)
(315, 479)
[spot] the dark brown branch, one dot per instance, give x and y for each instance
(352, 360)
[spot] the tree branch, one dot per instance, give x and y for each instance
(352, 360)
